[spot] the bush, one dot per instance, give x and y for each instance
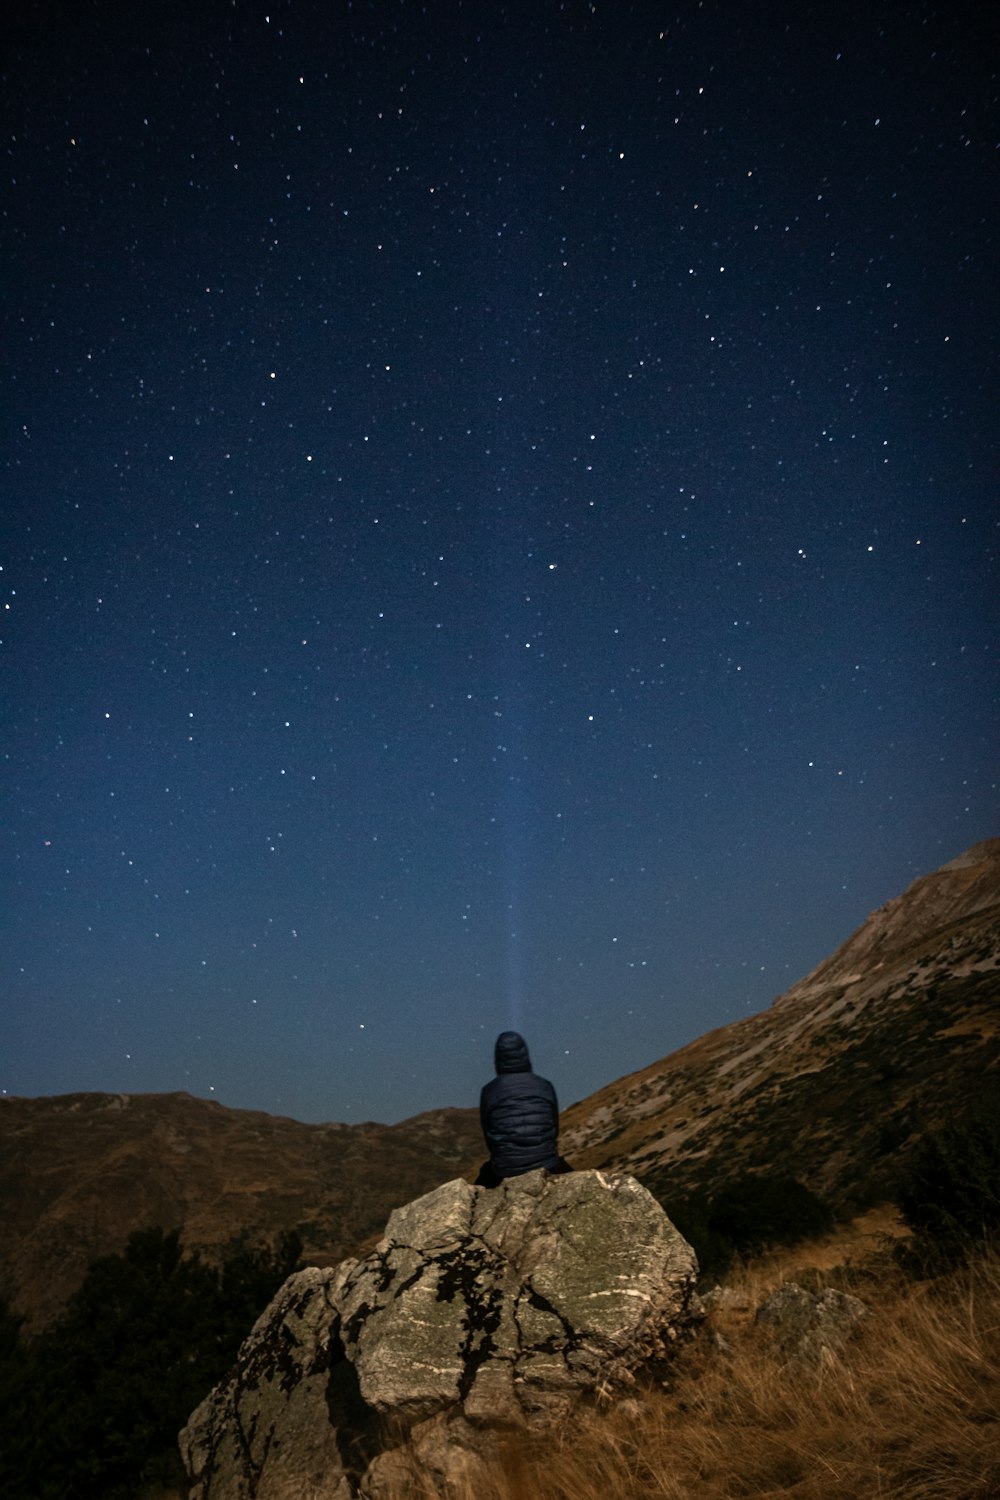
(692, 1217)
(96, 1401)
(757, 1212)
(950, 1197)
(745, 1217)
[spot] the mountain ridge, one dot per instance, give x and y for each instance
(957, 892)
(841, 1074)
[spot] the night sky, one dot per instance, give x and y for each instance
(498, 527)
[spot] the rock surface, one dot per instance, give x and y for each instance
(810, 1326)
(479, 1312)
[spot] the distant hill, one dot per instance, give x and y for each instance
(889, 1037)
(80, 1172)
(833, 1084)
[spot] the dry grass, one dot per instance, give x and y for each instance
(910, 1411)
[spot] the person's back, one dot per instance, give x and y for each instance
(519, 1114)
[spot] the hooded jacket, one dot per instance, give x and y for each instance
(519, 1112)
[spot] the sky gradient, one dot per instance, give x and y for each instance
(498, 528)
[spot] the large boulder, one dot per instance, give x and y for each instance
(481, 1311)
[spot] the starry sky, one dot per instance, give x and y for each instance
(498, 527)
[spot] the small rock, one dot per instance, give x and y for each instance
(810, 1326)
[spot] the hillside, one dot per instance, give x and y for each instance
(80, 1172)
(883, 1040)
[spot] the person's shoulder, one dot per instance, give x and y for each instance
(545, 1084)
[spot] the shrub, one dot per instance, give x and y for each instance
(103, 1392)
(744, 1217)
(757, 1212)
(950, 1196)
(692, 1217)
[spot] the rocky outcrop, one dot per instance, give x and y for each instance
(480, 1312)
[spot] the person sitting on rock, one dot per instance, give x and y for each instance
(519, 1115)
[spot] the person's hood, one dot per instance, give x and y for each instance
(511, 1053)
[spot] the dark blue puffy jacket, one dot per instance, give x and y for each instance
(519, 1113)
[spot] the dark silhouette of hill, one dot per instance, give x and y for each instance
(80, 1172)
